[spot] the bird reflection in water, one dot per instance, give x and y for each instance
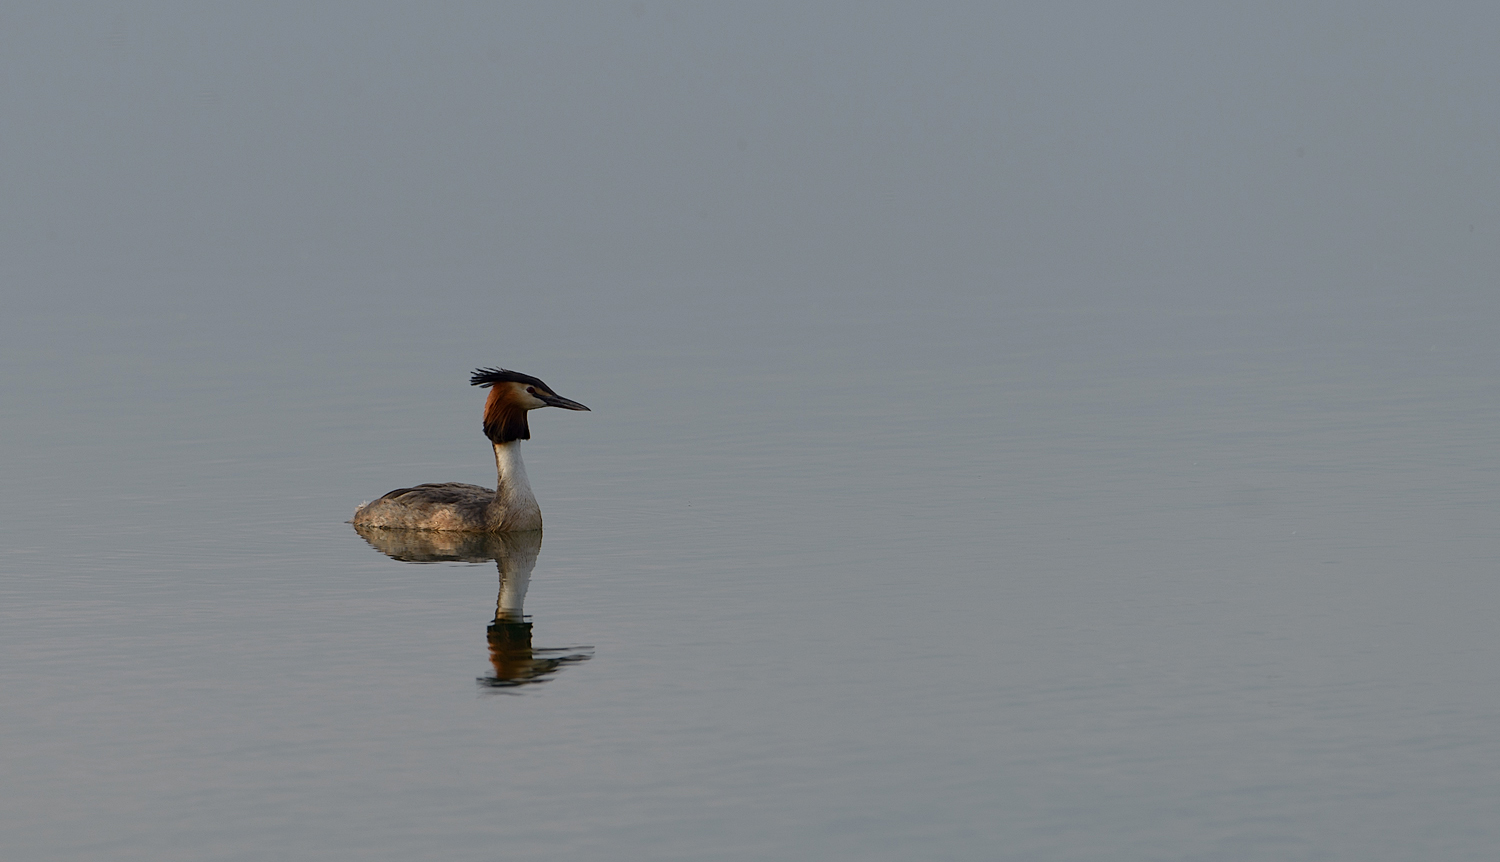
(515, 660)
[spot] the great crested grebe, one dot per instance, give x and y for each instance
(456, 507)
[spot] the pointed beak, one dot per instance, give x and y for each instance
(558, 401)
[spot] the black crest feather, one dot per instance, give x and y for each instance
(490, 376)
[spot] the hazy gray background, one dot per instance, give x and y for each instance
(1097, 143)
(1034, 432)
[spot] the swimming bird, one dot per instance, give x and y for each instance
(454, 506)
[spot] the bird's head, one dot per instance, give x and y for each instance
(511, 395)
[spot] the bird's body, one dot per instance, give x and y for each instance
(456, 507)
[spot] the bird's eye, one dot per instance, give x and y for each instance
(531, 389)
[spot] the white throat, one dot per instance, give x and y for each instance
(513, 493)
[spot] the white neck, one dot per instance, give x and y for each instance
(515, 504)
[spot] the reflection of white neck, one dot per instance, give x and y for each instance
(512, 595)
(515, 558)
(514, 507)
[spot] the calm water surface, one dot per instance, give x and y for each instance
(1189, 574)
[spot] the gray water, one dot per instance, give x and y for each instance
(1042, 434)
(882, 578)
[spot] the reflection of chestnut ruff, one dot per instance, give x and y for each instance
(515, 660)
(457, 507)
